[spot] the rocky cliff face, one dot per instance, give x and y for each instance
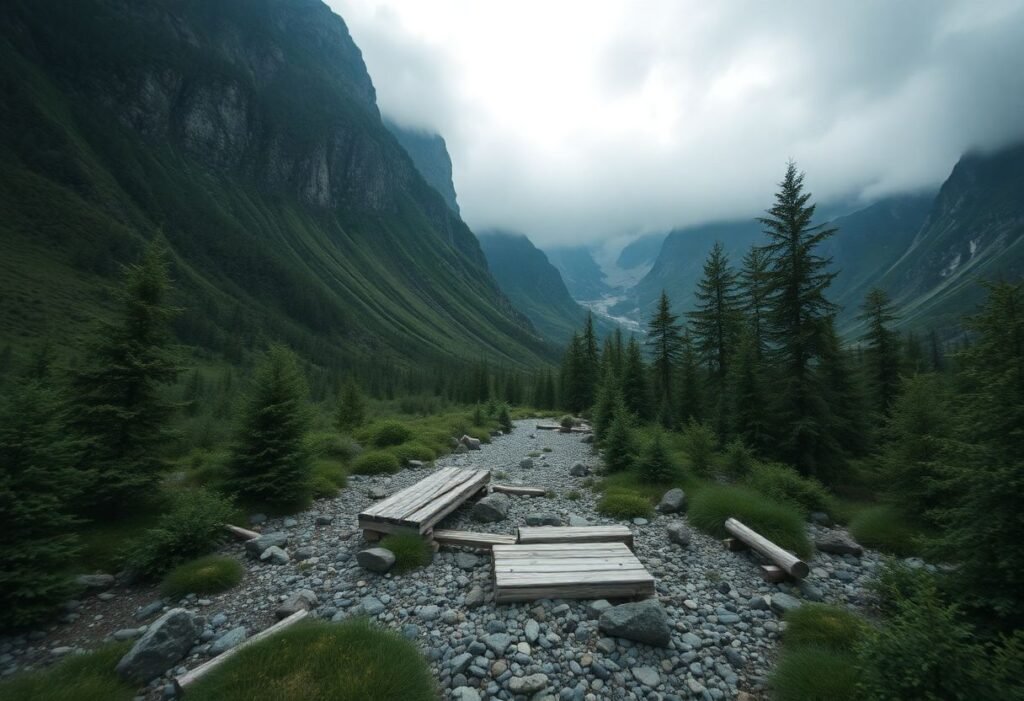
(429, 153)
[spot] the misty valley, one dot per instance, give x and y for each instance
(369, 350)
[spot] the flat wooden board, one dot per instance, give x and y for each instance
(519, 491)
(575, 534)
(471, 539)
(419, 506)
(525, 572)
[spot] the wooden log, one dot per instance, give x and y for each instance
(734, 544)
(793, 565)
(242, 533)
(519, 491)
(771, 573)
(189, 678)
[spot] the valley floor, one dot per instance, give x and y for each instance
(725, 631)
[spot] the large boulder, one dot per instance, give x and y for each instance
(233, 638)
(257, 546)
(838, 543)
(493, 507)
(275, 556)
(470, 442)
(526, 463)
(784, 603)
(579, 470)
(672, 502)
(301, 600)
(94, 582)
(678, 533)
(166, 641)
(640, 621)
(376, 559)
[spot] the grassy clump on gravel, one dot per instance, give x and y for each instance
(811, 673)
(88, 677)
(207, 575)
(712, 505)
(410, 550)
(883, 528)
(376, 462)
(626, 505)
(834, 627)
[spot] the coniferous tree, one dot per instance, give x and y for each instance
(270, 463)
(841, 405)
(619, 447)
(635, 391)
(749, 394)
(38, 487)
(937, 357)
(116, 409)
(714, 324)
(590, 362)
(575, 376)
(796, 280)
(665, 344)
(913, 354)
(655, 465)
(753, 284)
(504, 419)
(351, 411)
(882, 355)
(609, 396)
(691, 392)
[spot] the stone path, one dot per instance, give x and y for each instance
(724, 631)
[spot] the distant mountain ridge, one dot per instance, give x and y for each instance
(429, 153)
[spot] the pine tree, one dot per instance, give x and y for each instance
(913, 354)
(841, 407)
(797, 279)
(38, 485)
(351, 411)
(609, 396)
(504, 420)
(655, 465)
(116, 408)
(575, 393)
(691, 392)
(749, 395)
(754, 287)
(938, 358)
(665, 344)
(714, 324)
(270, 463)
(882, 356)
(635, 392)
(619, 447)
(590, 363)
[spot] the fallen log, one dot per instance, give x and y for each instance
(242, 533)
(191, 677)
(793, 565)
(518, 491)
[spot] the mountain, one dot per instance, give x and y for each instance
(643, 251)
(533, 284)
(246, 134)
(581, 273)
(429, 154)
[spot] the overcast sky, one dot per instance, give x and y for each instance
(580, 121)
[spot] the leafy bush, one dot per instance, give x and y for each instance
(410, 550)
(87, 677)
(328, 477)
(331, 445)
(784, 484)
(375, 462)
(621, 504)
(566, 422)
(350, 660)
(823, 626)
(388, 433)
(738, 459)
(193, 526)
(699, 443)
(883, 528)
(815, 674)
(412, 451)
(207, 575)
(780, 523)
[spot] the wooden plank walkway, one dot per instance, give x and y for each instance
(472, 539)
(418, 507)
(568, 571)
(576, 534)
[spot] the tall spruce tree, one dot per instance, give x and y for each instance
(754, 287)
(749, 395)
(39, 488)
(590, 363)
(575, 376)
(619, 445)
(714, 323)
(270, 463)
(654, 463)
(883, 349)
(665, 345)
(798, 277)
(609, 396)
(691, 385)
(841, 405)
(116, 408)
(635, 391)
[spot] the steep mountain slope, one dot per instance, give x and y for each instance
(642, 251)
(429, 154)
(532, 283)
(246, 134)
(582, 275)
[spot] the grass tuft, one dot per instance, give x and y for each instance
(412, 450)
(328, 477)
(712, 505)
(410, 550)
(389, 433)
(824, 626)
(623, 504)
(350, 660)
(883, 528)
(207, 575)
(376, 462)
(815, 674)
(87, 677)
(784, 484)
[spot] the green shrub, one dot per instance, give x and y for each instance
(546, 449)
(331, 445)
(411, 551)
(87, 677)
(654, 464)
(619, 444)
(504, 420)
(412, 451)
(824, 626)
(784, 484)
(533, 454)
(815, 674)
(780, 523)
(328, 477)
(207, 575)
(388, 433)
(352, 660)
(897, 582)
(375, 462)
(573, 495)
(193, 526)
(622, 504)
(883, 528)
(699, 443)
(566, 422)
(737, 460)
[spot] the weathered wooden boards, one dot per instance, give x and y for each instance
(417, 508)
(576, 534)
(518, 491)
(471, 539)
(526, 572)
(557, 427)
(202, 670)
(784, 559)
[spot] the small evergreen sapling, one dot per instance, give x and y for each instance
(654, 462)
(351, 412)
(619, 447)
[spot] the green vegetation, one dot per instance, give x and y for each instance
(712, 505)
(207, 575)
(351, 411)
(655, 465)
(884, 528)
(87, 677)
(350, 660)
(824, 626)
(411, 551)
(625, 505)
(619, 445)
(328, 478)
(784, 484)
(389, 433)
(815, 674)
(412, 451)
(699, 443)
(376, 462)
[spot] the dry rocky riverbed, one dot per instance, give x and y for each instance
(725, 621)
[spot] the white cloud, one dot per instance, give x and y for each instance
(578, 121)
